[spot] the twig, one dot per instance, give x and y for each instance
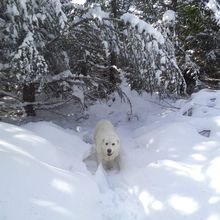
(10, 95)
(164, 106)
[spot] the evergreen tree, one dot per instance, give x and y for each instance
(26, 27)
(197, 48)
(60, 51)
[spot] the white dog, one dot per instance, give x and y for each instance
(107, 144)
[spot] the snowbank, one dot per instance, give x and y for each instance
(34, 184)
(169, 165)
(176, 173)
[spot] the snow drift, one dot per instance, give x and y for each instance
(34, 184)
(170, 165)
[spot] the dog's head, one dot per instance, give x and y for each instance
(110, 147)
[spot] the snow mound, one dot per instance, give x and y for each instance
(33, 183)
(169, 165)
(65, 141)
(174, 172)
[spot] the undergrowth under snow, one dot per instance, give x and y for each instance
(170, 164)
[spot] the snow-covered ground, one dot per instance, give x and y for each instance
(170, 164)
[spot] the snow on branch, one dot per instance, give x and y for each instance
(142, 26)
(169, 17)
(96, 12)
(67, 74)
(10, 94)
(215, 7)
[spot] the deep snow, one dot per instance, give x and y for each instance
(170, 164)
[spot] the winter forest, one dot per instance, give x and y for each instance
(57, 51)
(150, 69)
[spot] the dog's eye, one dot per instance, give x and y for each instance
(106, 143)
(113, 144)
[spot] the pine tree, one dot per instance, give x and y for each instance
(26, 27)
(197, 49)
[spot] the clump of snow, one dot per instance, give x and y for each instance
(169, 17)
(80, 2)
(133, 20)
(78, 92)
(167, 2)
(215, 7)
(96, 12)
(12, 9)
(28, 40)
(142, 26)
(59, 12)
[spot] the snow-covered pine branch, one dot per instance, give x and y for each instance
(151, 58)
(215, 7)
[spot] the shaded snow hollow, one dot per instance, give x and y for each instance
(169, 171)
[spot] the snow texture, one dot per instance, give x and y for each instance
(96, 12)
(142, 26)
(80, 2)
(169, 17)
(215, 7)
(170, 169)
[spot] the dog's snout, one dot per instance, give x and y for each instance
(109, 150)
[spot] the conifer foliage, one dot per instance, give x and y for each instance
(26, 27)
(54, 51)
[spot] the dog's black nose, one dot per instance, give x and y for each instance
(109, 150)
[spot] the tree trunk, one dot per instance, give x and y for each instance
(114, 8)
(29, 96)
(174, 5)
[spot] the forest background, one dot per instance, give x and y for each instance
(57, 52)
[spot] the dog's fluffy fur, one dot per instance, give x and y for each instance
(107, 143)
